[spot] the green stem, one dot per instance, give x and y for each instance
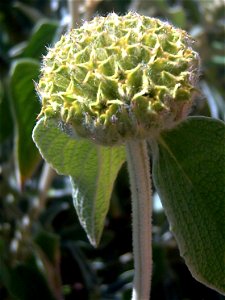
(140, 180)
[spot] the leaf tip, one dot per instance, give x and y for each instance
(94, 240)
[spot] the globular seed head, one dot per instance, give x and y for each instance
(120, 77)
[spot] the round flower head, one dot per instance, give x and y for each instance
(120, 77)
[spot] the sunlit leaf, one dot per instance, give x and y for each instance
(93, 170)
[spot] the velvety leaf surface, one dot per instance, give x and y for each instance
(25, 107)
(93, 170)
(189, 174)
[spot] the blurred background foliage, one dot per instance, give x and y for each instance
(44, 253)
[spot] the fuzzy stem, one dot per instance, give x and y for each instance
(140, 181)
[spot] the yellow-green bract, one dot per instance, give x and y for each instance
(120, 77)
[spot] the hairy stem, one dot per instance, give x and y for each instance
(140, 180)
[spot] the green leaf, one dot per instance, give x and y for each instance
(6, 123)
(4, 269)
(178, 16)
(49, 244)
(19, 279)
(25, 107)
(218, 59)
(27, 282)
(93, 170)
(42, 36)
(189, 174)
(88, 274)
(29, 11)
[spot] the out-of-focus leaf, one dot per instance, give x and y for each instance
(177, 16)
(189, 174)
(29, 283)
(162, 5)
(32, 13)
(208, 93)
(24, 281)
(42, 37)
(159, 258)
(88, 274)
(6, 123)
(193, 9)
(17, 50)
(25, 107)
(214, 99)
(218, 59)
(4, 270)
(93, 170)
(49, 243)
(218, 46)
(48, 251)
(51, 212)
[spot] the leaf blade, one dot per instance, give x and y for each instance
(189, 174)
(106, 173)
(42, 36)
(90, 169)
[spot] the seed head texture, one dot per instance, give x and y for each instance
(120, 77)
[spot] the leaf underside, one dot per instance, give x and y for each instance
(92, 169)
(189, 174)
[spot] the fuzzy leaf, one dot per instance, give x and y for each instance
(189, 174)
(93, 170)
